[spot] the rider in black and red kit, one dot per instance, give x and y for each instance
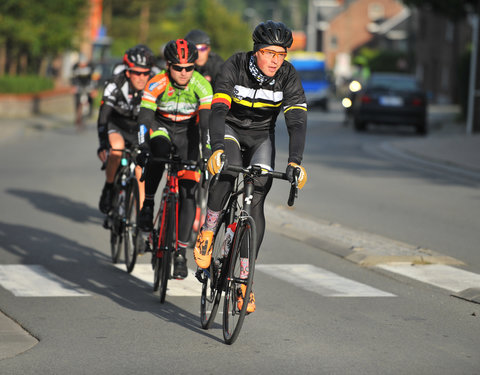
(249, 93)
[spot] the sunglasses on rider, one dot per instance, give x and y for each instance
(179, 68)
(137, 73)
(271, 54)
(202, 47)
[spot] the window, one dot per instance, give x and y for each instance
(376, 11)
(333, 42)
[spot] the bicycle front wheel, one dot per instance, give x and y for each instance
(245, 242)
(211, 288)
(132, 205)
(167, 248)
(116, 230)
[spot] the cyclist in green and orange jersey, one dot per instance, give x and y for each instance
(172, 102)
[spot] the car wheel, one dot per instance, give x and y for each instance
(360, 126)
(422, 129)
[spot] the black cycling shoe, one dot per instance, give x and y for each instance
(180, 270)
(105, 203)
(145, 220)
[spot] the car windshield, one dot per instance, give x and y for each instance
(393, 83)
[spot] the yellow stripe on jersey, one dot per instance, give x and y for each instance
(246, 103)
(295, 107)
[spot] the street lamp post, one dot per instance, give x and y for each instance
(472, 91)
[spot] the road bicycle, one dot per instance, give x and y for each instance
(235, 236)
(122, 218)
(163, 240)
(84, 106)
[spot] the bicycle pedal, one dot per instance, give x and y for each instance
(200, 275)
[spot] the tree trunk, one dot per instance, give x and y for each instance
(144, 22)
(3, 58)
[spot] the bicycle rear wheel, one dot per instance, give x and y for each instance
(211, 288)
(132, 205)
(167, 248)
(244, 240)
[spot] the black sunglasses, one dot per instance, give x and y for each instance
(178, 68)
(136, 73)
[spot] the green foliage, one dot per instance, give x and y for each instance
(173, 20)
(24, 84)
(382, 60)
(38, 28)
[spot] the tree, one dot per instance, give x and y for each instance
(456, 10)
(453, 9)
(33, 31)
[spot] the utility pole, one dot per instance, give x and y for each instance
(473, 114)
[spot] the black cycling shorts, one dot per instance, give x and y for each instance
(130, 137)
(254, 148)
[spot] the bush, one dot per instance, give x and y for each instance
(24, 84)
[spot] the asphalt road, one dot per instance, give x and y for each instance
(317, 313)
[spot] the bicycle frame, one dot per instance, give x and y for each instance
(170, 192)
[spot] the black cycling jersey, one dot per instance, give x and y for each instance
(211, 68)
(82, 75)
(120, 105)
(246, 104)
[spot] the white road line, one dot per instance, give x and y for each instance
(189, 287)
(446, 277)
(36, 281)
(320, 281)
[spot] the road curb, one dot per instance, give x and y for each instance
(14, 340)
(365, 249)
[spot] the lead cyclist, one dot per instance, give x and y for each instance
(249, 93)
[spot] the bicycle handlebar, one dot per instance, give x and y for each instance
(125, 150)
(256, 170)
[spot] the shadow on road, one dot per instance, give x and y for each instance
(58, 205)
(91, 271)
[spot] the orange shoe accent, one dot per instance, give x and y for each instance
(241, 294)
(203, 249)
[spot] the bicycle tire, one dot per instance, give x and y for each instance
(167, 249)
(158, 241)
(116, 233)
(211, 288)
(132, 212)
(245, 235)
(156, 261)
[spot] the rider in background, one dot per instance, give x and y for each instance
(208, 63)
(117, 119)
(82, 78)
(250, 91)
(120, 67)
(172, 102)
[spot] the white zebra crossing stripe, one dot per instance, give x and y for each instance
(36, 281)
(320, 281)
(189, 287)
(446, 277)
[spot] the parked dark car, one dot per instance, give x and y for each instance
(391, 99)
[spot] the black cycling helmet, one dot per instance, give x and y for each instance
(198, 37)
(140, 56)
(180, 51)
(272, 33)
